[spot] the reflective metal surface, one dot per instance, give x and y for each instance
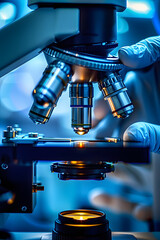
(81, 95)
(115, 92)
(88, 61)
(46, 94)
(120, 4)
(82, 170)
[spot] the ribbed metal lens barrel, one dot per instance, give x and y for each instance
(115, 92)
(81, 225)
(81, 95)
(46, 94)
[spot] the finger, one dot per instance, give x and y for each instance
(141, 54)
(120, 205)
(112, 203)
(135, 176)
(147, 133)
(142, 212)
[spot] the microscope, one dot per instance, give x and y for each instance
(76, 37)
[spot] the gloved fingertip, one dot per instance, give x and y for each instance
(134, 133)
(136, 56)
(125, 56)
(129, 56)
(142, 212)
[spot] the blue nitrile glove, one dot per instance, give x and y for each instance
(146, 133)
(142, 55)
(144, 89)
(143, 83)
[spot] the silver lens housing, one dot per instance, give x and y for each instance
(81, 95)
(114, 90)
(46, 94)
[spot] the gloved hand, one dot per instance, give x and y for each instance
(144, 89)
(140, 55)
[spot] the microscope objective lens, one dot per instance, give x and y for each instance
(46, 94)
(114, 90)
(81, 95)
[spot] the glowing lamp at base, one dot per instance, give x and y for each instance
(81, 225)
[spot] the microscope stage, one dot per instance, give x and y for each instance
(31, 148)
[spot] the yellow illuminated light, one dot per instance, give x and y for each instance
(81, 144)
(115, 140)
(74, 162)
(81, 216)
(111, 105)
(112, 140)
(83, 225)
(77, 162)
(46, 105)
(47, 114)
(11, 200)
(80, 133)
(113, 108)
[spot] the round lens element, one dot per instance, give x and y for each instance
(82, 215)
(81, 225)
(81, 170)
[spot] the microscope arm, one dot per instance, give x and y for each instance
(28, 36)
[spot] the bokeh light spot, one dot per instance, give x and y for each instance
(123, 26)
(7, 11)
(16, 91)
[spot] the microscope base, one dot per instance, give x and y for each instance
(115, 236)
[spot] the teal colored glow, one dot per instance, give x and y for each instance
(156, 18)
(16, 91)
(123, 26)
(140, 9)
(7, 11)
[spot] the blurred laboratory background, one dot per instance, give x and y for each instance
(140, 20)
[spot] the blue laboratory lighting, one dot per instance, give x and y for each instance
(140, 9)
(123, 26)
(15, 91)
(156, 18)
(7, 13)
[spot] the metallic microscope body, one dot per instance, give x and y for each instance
(76, 38)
